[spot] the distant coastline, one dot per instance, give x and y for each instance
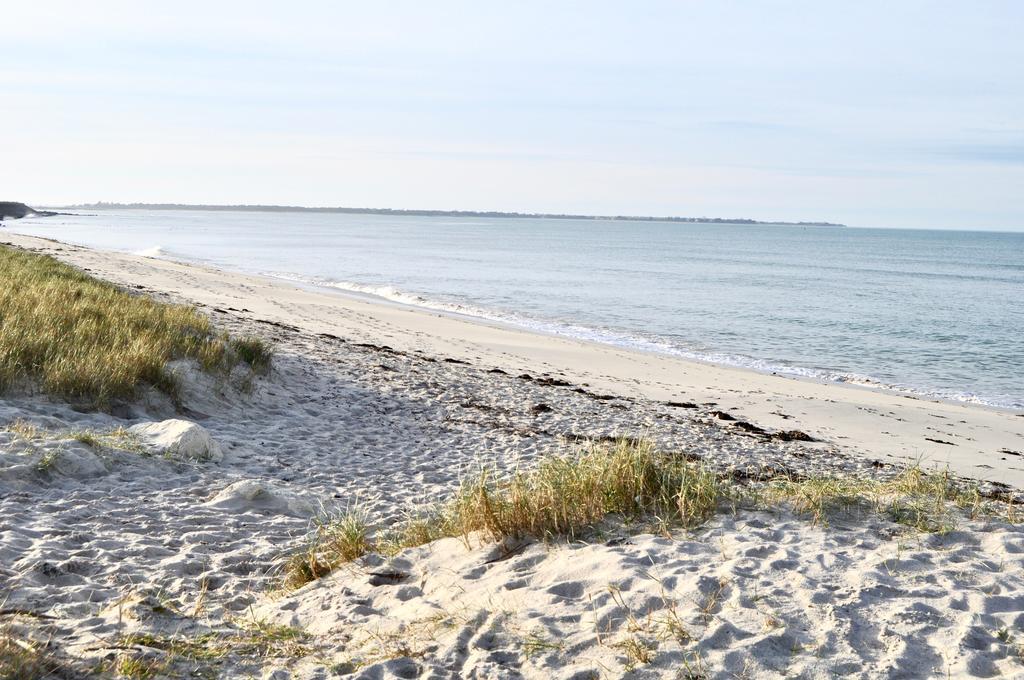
(435, 213)
(11, 210)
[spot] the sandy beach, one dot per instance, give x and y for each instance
(973, 441)
(385, 407)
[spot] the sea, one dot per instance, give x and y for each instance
(935, 313)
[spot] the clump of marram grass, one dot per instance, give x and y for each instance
(563, 496)
(118, 438)
(22, 658)
(335, 539)
(256, 352)
(81, 338)
(918, 498)
(202, 654)
(569, 496)
(24, 429)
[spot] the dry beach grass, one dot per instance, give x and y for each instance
(569, 496)
(85, 339)
(623, 561)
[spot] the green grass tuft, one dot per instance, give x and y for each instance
(148, 655)
(336, 539)
(254, 351)
(82, 338)
(917, 498)
(25, 659)
(563, 496)
(570, 496)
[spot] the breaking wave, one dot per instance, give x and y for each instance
(640, 342)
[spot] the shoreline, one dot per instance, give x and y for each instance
(365, 296)
(111, 556)
(983, 389)
(537, 327)
(974, 440)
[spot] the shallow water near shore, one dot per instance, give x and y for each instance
(940, 313)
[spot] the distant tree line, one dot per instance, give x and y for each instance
(436, 213)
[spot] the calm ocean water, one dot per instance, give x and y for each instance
(939, 313)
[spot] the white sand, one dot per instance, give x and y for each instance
(93, 536)
(756, 595)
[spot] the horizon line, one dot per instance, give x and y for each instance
(416, 212)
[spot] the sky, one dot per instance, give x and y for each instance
(887, 114)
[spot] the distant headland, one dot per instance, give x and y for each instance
(435, 213)
(9, 210)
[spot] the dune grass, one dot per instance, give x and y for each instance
(147, 655)
(336, 539)
(561, 497)
(570, 496)
(84, 339)
(565, 496)
(922, 500)
(25, 659)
